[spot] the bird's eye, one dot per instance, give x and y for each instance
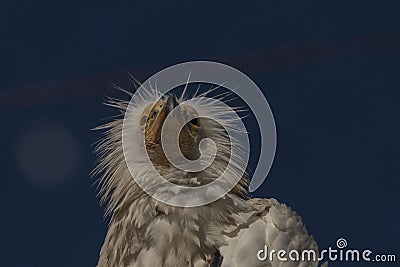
(195, 121)
(143, 120)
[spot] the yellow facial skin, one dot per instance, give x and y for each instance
(152, 123)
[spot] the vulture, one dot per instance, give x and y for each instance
(234, 230)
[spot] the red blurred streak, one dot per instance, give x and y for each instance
(280, 57)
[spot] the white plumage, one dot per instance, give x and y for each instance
(144, 232)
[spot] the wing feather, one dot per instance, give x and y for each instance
(275, 226)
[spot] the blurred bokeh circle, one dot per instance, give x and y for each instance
(47, 153)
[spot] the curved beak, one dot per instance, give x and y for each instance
(170, 103)
(153, 133)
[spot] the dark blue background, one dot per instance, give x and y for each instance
(329, 70)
